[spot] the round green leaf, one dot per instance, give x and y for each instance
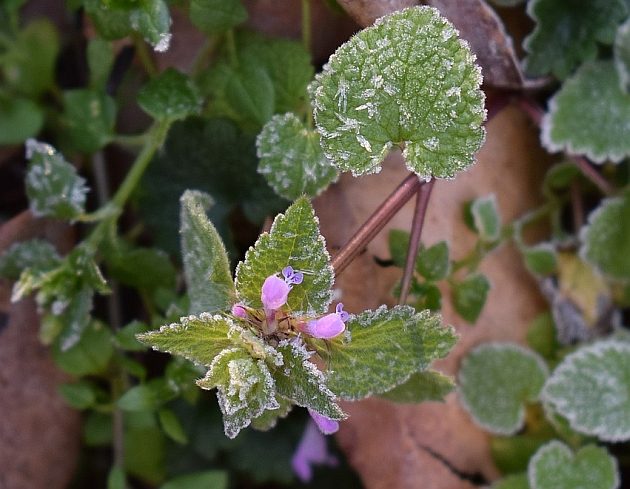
(496, 379)
(20, 119)
(407, 81)
(555, 467)
(590, 389)
(607, 234)
(171, 95)
(589, 115)
(291, 158)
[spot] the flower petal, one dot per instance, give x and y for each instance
(274, 293)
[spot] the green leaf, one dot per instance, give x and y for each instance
(433, 262)
(111, 23)
(590, 389)
(147, 397)
(52, 185)
(206, 263)
(496, 380)
(216, 16)
(511, 454)
(20, 119)
(469, 296)
(429, 385)
(565, 36)
(142, 268)
(428, 296)
(97, 429)
(555, 466)
(398, 243)
(622, 55)
(269, 418)
(485, 214)
(88, 119)
(559, 177)
(512, 482)
(294, 240)
(245, 388)
(541, 335)
(145, 451)
(608, 230)
(170, 96)
(89, 356)
(197, 338)
(80, 395)
(36, 254)
(153, 20)
(28, 65)
(588, 115)
(116, 478)
(383, 348)
(100, 57)
(291, 158)
(172, 426)
(300, 381)
(540, 259)
(209, 479)
(407, 81)
(75, 316)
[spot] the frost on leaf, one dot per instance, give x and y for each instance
(496, 380)
(302, 382)
(197, 338)
(407, 81)
(294, 240)
(567, 33)
(590, 115)
(270, 417)
(245, 388)
(171, 95)
(383, 349)
(36, 254)
(555, 466)
(622, 55)
(291, 158)
(606, 235)
(206, 264)
(485, 215)
(590, 389)
(152, 20)
(52, 185)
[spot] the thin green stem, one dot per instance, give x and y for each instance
(306, 24)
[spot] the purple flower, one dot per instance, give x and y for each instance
(275, 290)
(326, 425)
(239, 311)
(292, 277)
(328, 326)
(311, 451)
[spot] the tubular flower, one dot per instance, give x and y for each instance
(328, 326)
(276, 290)
(326, 425)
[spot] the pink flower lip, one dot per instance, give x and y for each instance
(328, 326)
(239, 311)
(326, 425)
(274, 293)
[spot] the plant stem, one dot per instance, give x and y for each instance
(144, 56)
(306, 25)
(422, 202)
(202, 55)
(375, 223)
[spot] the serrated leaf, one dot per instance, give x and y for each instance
(209, 479)
(433, 262)
(540, 259)
(52, 185)
(590, 389)
(294, 240)
(555, 466)
(153, 21)
(496, 380)
(383, 348)
(429, 385)
(270, 417)
(565, 36)
(300, 381)
(291, 158)
(216, 16)
(606, 235)
(20, 119)
(88, 119)
(36, 254)
(588, 115)
(485, 214)
(197, 338)
(169, 96)
(407, 81)
(469, 296)
(206, 263)
(245, 388)
(398, 243)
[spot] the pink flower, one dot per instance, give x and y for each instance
(328, 326)
(326, 425)
(276, 290)
(239, 311)
(312, 450)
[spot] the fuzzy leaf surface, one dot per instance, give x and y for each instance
(383, 349)
(590, 389)
(206, 263)
(496, 380)
(291, 158)
(555, 466)
(589, 115)
(171, 95)
(486, 219)
(294, 240)
(88, 119)
(35, 254)
(429, 385)
(152, 20)
(407, 81)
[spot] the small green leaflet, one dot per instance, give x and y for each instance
(469, 296)
(170, 424)
(607, 233)
(540, 259)
(197, 338)
(429, 385)
(88, 119)
(589, 114)
(433, 263)
(52, 185)
(486, 219)
(555, 466)
(496, 380)
(20, 119)
(622, 55)
(110, 23)
(590, 389)
(169, 96)
(291, 158)
(294, 240)
(79, 395)
(384, 349)
(90, 356)
(566, 35)
(206, 264)
(407, 81)
(149, 396)
(35, 254)
(216, 16)
(245, 388)
(153, 20)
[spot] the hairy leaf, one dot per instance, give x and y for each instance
(429, 385)
(36, 254)
(171, 96)
(88, 119)
(407, 81)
